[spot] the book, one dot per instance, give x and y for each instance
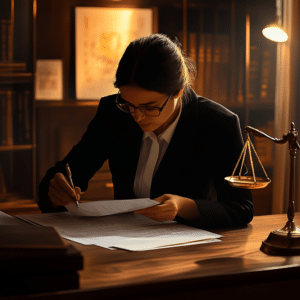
(208, 56)
(33, 240)
(21, 117)
(266, 93)
(2, 185)
(36, 259)
(6, 117)
(3, 140)
(18, 118)
(22, 284)
(26, 263)
(220, 69)
(200, 65)
(9, 116)
(6, 40)
(240, 81)
(254, 76)
(263, 146)
(15, 117)
(27, 118)
(193, 52)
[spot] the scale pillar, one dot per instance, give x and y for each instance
(286, 241)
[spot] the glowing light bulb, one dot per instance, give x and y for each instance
(275, 33)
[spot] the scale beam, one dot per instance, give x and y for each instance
(261, 134)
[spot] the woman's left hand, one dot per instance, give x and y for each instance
(167, 210)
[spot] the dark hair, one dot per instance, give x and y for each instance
(155, 63)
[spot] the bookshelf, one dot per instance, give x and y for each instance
(223, 38)
(17, 107)
(236, 64)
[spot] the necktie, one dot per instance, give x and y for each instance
(149, 169)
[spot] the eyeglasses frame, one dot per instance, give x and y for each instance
(136, 107)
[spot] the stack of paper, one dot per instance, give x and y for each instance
(128, 231)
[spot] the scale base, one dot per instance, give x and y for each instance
(285, 241)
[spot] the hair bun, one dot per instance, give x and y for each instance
(156, 63)
(176, 42)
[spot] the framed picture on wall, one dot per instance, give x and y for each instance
(49, 79)
(101, 37)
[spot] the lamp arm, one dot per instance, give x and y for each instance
(261, 134)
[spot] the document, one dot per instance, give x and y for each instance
(133, 232)
(109, 207)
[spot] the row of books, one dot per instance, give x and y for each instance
(6, 41)
(7, 63)
(211, 54)
(15, 117)
(263, 146)
(215, 66)
(261, 76)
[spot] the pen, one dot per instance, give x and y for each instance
(69, 174)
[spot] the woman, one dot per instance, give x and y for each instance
(162, 141)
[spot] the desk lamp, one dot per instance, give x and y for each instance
(284, 241)
(274, 31)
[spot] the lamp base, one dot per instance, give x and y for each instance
(285, 241)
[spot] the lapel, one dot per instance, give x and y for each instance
(179, 149)
(127, 132)
(126, 136)
(131, 136)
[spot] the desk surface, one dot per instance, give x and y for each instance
(235, 264)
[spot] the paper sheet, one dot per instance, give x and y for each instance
(109, 207)
(159, 243)
(129, 231)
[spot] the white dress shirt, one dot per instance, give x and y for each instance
(152, 151)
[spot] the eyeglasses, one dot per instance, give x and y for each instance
(149, 111)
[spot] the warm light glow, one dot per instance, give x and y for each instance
(275, 33)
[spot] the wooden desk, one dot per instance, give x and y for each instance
(234, 268)
(20, 207)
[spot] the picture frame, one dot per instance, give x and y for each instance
(101, 37)
(49, 79)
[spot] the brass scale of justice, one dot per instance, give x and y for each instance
(284, 241)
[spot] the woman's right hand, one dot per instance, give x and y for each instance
(60, 192)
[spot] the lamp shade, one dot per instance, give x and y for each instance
(275, 33)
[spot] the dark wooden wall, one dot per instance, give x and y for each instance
(60, 125)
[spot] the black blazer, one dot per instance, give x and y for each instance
(204, 149)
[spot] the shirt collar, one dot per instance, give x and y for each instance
(167, 133)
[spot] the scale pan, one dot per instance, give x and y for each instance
(247, 182)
